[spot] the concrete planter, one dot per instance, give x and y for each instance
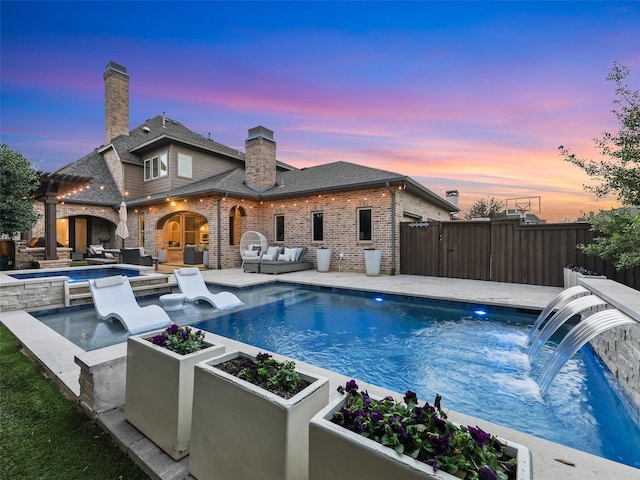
(372, 260)
(159, 392)
(323, 257)
(571, 277)
(336, 453)
(241, 431)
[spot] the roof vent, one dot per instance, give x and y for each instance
(146, 129)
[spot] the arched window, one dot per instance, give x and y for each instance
(235, 225)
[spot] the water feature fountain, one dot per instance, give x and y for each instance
(576, 338)
(558, 302)
(583, 306)
(597, 316)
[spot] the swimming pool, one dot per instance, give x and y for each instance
(478, 363)
(79, 274)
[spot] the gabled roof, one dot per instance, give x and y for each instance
(291, 182)
(103, 190)
(159, 130)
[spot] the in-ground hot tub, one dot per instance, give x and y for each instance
(63, 287)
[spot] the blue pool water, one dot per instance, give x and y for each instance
(478, 363)
(80, 274)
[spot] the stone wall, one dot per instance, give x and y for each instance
(34, 294)
(619, 349)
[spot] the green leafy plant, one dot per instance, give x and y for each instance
(425, 434)
(182, 340)
(268, 373)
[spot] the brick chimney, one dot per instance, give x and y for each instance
(260, 159)
(116, 102)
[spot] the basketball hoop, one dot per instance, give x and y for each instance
(523, 206)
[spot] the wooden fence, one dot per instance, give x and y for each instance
(502, 251)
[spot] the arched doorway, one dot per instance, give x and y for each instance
(180, 229)
(235, 224)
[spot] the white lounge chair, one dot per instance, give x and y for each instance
(194, 289)
(114, 298)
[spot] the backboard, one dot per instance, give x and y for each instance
(522, 206)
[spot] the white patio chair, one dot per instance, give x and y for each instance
(194, 288)
(114, 298)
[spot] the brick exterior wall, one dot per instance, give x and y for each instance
(116, 102)
(340, 213)
(65, 210)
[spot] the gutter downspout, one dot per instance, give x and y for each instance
(219, 239)
(393, 229)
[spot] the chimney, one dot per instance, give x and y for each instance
(452, 198)
(116, 101)
(260, 159)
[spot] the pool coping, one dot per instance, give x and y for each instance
(57, 356)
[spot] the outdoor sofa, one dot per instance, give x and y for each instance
(278, 260)
(192, 255)
(97, 255)
(137, 256)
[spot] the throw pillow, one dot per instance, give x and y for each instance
(291, 253)
(274, 252)
(267, 256)
(109, 255)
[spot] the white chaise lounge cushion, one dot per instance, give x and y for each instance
(188, 271)
(113, 298)
(109, 281)
(194, 288)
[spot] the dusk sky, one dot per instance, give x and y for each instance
(468, 96)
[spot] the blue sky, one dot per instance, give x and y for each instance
(473, 96)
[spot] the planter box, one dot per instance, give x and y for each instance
(323, 257)
(159, 392)
(372, 260)
(241, 431)
(336, 453)
(571, 277)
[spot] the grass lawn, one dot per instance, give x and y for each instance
(44, 435)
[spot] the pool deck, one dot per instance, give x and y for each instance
(550, 460)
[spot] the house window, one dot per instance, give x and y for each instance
(279, 228)
(156, 167)
(141, 230)
(184, 165)
(364, 224)
(317, 227)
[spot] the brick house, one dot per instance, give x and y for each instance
(182, 188)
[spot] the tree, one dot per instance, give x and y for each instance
(18, 180)
(486, 208)
(618, 173)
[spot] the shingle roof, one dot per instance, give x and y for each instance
(345, 176)
(160, 127)
(290, 181)
(103, 189)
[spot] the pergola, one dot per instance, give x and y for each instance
(52, 186)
